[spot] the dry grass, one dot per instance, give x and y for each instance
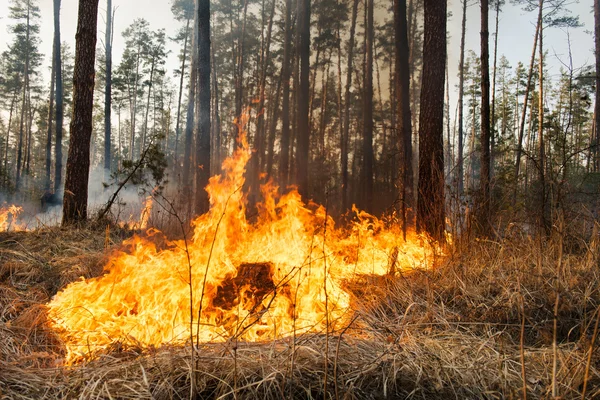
(451, 332)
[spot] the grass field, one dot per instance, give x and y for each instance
(492, 319)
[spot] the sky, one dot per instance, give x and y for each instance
(516, 31)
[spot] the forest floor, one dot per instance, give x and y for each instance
(483, 324)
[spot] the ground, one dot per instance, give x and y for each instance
(478, 324)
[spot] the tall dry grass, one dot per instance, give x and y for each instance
(481, 324)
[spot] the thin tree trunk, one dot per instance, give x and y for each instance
(10, 118)
(323, 111)
(542, 162)
(345, 139)
(189, 123)
(203, 107)
(430, 203)
(493, 112)
(47, 181)
(302, 114)
(58, 154)
(403, 112)
(178, 122)
(484, 180)
(461, 93)
(108, 89)
(525, 103)
(23, 105)
(259, 143)
(284, 161)
(597, 105)
(367, 145)
(145, 132)
(271, 140)
(239, 82)
(216, 151)
(78, 161)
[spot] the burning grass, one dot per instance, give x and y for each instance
(458, 330)
(290, 306)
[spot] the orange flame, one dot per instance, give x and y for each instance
(8, 218)
(280, 275)
(146, 211)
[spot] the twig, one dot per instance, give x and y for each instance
(589, 358)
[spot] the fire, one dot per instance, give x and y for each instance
(8, 218)
(146, 211)
(280, 275)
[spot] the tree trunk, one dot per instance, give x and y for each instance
(145, 132)
(78, 161)
(525, 103)
(461, 92)
(108, 89)
(597, 105)
(484, 179)
(430, 202)
(259, 142)
(58, 154)
(493, 112)
(47, 181)
(189, 123)
(273, 129)
(284, 161)
(178, 121)
(367, 145)
(345, 139)
(23, 105)
(302, 121)
(203, 107)
(10, 118)
(403, 113)
(216, 151)
(544, 223)
(239, 81)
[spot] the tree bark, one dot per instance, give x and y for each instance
(203, 107)
(345, 139)
(461, 94)
(10, 118)
(302, 114)
(78, 161)
(178, 121)
(544, 223)
(108, 89)
(239, 82)
(484, 180)
(403, 113)
(284, 161)
(23, 105)
(493, 112)
(48, 178)
(58, 154)
(367, 167)
(273, 129)
(430, 202)
(597, 105)
(189, 124)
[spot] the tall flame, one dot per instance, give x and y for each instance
(282, 274)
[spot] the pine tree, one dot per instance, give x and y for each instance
(78, 161)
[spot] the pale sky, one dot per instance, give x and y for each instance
(516, 31)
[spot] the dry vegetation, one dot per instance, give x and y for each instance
(461, 330)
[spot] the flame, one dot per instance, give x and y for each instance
(146, 211)
(8, 218)
(282, 274)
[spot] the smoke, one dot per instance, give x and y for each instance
(127, 208)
